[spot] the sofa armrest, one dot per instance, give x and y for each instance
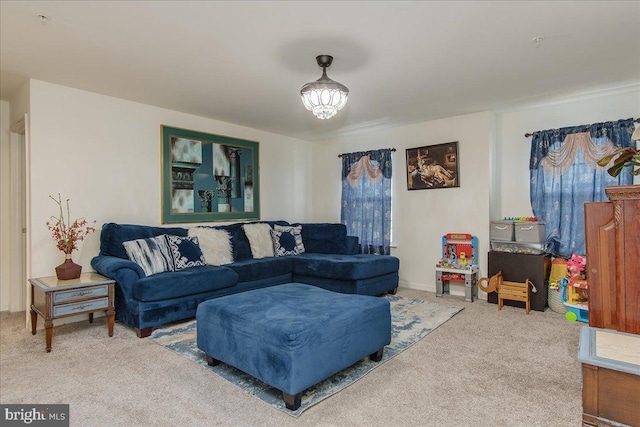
(126, 273)
(352, 245)
(111, 266)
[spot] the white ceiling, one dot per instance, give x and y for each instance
(244, 62)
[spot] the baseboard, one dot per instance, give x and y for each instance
(454, 288)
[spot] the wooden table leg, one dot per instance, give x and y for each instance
(91, 317)
(34, 321)
(48, 328)
(111, 316)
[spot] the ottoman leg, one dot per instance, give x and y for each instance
(212, 362)
(291, 401)
(377, 356)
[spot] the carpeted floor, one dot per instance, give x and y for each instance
(411, 319)
(482, 367)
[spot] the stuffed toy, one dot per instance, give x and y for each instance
(576, 266)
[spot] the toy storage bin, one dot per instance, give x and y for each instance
(530, 232)
(502, 230)
(554, 298)
(518, 247)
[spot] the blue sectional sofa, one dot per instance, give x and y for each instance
(329, 261)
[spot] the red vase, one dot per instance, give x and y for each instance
(68, 269)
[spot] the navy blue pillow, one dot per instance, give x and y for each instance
(185, 252)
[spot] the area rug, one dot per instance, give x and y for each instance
(411, 320)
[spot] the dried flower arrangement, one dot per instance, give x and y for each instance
(67, 234)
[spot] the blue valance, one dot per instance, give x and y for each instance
(382, 156)
(618, 132)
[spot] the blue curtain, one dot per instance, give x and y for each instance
(366, 199)
(564, 176)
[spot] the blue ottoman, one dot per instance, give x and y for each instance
(293, 336)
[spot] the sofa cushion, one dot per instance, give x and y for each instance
(324, 238)
(215, 244)
(113, 235)
(287, 240)
(191, 281)
(261, 268)
(259, 236)
(185, 252)
(152, 254)
(239, 241)
(344, 267)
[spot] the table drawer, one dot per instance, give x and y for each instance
(85, 293)
(80, 307)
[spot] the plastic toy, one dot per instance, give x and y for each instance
(559, 270)
(459, 251)
(459, 263)
(522, 218)
(574, 297)
(463, 259)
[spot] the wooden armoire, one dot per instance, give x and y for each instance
(613, 259)
(610, 391)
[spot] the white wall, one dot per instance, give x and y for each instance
(103, 153)
(511, 194)
(5, 199)
(421, 217)
(494, 162)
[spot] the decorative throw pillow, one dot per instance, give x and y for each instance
(185, 252)
(287, 240)
(152, 254)
(259, 236)
(214, 243)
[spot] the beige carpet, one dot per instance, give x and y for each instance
(483, 367)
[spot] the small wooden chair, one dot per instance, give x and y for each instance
(514, 291)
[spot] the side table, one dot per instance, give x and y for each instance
(54, 299)
(468, 276)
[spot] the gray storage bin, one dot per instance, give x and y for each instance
(502, 230)
(530, 232)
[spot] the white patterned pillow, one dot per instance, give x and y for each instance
(215, 244)
(152, 254)
(185, 252)
(287, 240)
(259, 236)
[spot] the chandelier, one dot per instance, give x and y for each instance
(324, 97)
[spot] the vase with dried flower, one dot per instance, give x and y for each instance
(67, 235)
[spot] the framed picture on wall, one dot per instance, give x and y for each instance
(433, 166)
(207, 177)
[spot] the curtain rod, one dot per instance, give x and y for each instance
(392, 149)
(527, 135)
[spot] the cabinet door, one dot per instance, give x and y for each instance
(628, 278)
(600, 234)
